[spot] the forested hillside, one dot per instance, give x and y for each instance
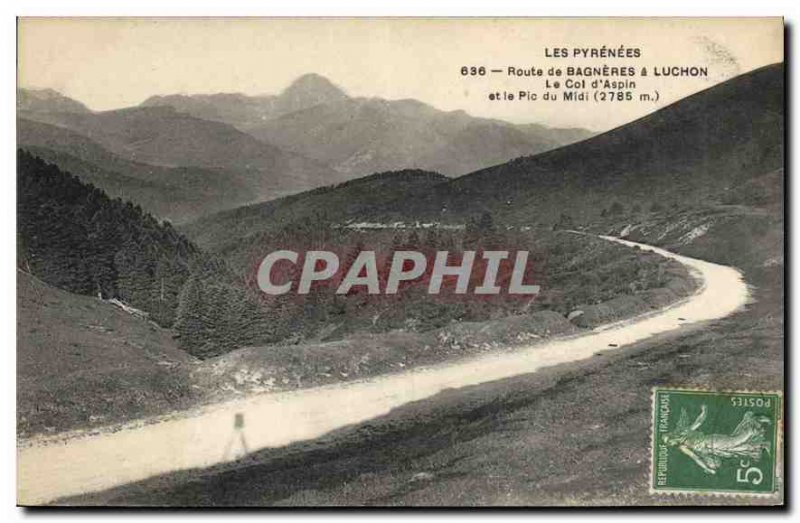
(73, 236)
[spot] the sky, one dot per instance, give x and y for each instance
(112, 63)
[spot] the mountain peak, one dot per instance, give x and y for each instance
(309, 90)
(313, 81)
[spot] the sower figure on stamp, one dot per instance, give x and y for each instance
(748, 440)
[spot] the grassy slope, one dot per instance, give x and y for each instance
(697, 149)
(82, 362)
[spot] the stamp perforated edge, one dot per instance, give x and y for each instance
(777, 472)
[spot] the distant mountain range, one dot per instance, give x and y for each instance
(360, 136)
(177, 166)
(707, 149)
(176, 193)
(182, 157)
(176, 163)
(366, 135)
(163, 136)
(245, 111)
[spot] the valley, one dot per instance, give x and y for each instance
(188, 156)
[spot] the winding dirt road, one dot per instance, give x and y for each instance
(50, 471)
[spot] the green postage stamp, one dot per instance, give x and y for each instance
(715, 442)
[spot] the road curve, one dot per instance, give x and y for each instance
(47, 472)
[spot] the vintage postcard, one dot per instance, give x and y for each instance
(400, 262)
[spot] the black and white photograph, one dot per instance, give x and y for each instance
(417, 262)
